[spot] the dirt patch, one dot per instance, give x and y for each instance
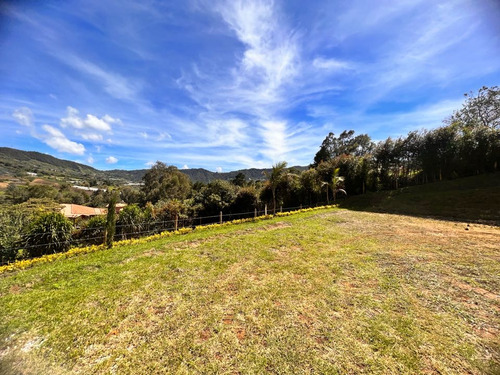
(278, 225)
(147, 254)
(4, 185)
(39, 181)
(483, 292)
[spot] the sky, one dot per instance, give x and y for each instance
(226, 85)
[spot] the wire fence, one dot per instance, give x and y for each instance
(87, 236)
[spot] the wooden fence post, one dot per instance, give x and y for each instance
(265, 209)
(281, 208)
(220, 217)
(255, 213)
(176, 221)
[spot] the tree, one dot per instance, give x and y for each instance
(482, 109)
(336, 183)
(275, 177)
(246, 200)
(216, 196)
(111, 222)
(345, 144)
(239, 179)
(164, 182)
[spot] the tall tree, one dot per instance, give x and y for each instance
(164, 182)
(482, 109)
(345, 144)
(275, 178)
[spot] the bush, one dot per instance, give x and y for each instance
(92, 232)
(50, 232)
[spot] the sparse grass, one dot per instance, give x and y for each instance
(475, 199)
(333, 291)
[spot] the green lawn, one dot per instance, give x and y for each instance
(331, 291)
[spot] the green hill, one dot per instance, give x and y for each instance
(473, 199)
(14, 162)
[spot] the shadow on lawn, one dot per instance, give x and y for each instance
(472, 199)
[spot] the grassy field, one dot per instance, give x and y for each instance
(331, 292)
(475, 199)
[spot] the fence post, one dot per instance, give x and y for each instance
(265, 209)
(220, 217)
(301, 206)
(281, 208)
(255, 213)
(176, 221)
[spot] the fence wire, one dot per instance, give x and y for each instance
(157, 229)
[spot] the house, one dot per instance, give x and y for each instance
(74, 211)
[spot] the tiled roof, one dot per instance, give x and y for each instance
(76, 210)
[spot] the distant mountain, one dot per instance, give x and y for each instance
(18, 162)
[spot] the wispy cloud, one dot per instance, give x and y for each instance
(113, 83)
(23, 116)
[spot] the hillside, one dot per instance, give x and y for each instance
(331, 291)
(14, 161)
(473, 199)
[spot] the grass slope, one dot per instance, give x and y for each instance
(333, 291)
(473, 199)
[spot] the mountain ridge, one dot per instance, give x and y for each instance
(14, 161)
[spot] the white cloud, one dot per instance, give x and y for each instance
(274, 134)
(23, 116)
(185, 166)
(144, 135)
(89, 127)
(163, 135)
(72, 119)
(58, 141)
(90, 160)
(96, 123)
(331, 64)
(111, 160)
(218, 169)
(149, 163)
(91, 137)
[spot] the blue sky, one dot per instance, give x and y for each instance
(225, 85)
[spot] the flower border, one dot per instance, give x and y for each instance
(27, 263)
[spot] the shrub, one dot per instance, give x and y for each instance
(92, 232)
(50, 232)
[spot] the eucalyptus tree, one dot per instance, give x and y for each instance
(164, 182)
